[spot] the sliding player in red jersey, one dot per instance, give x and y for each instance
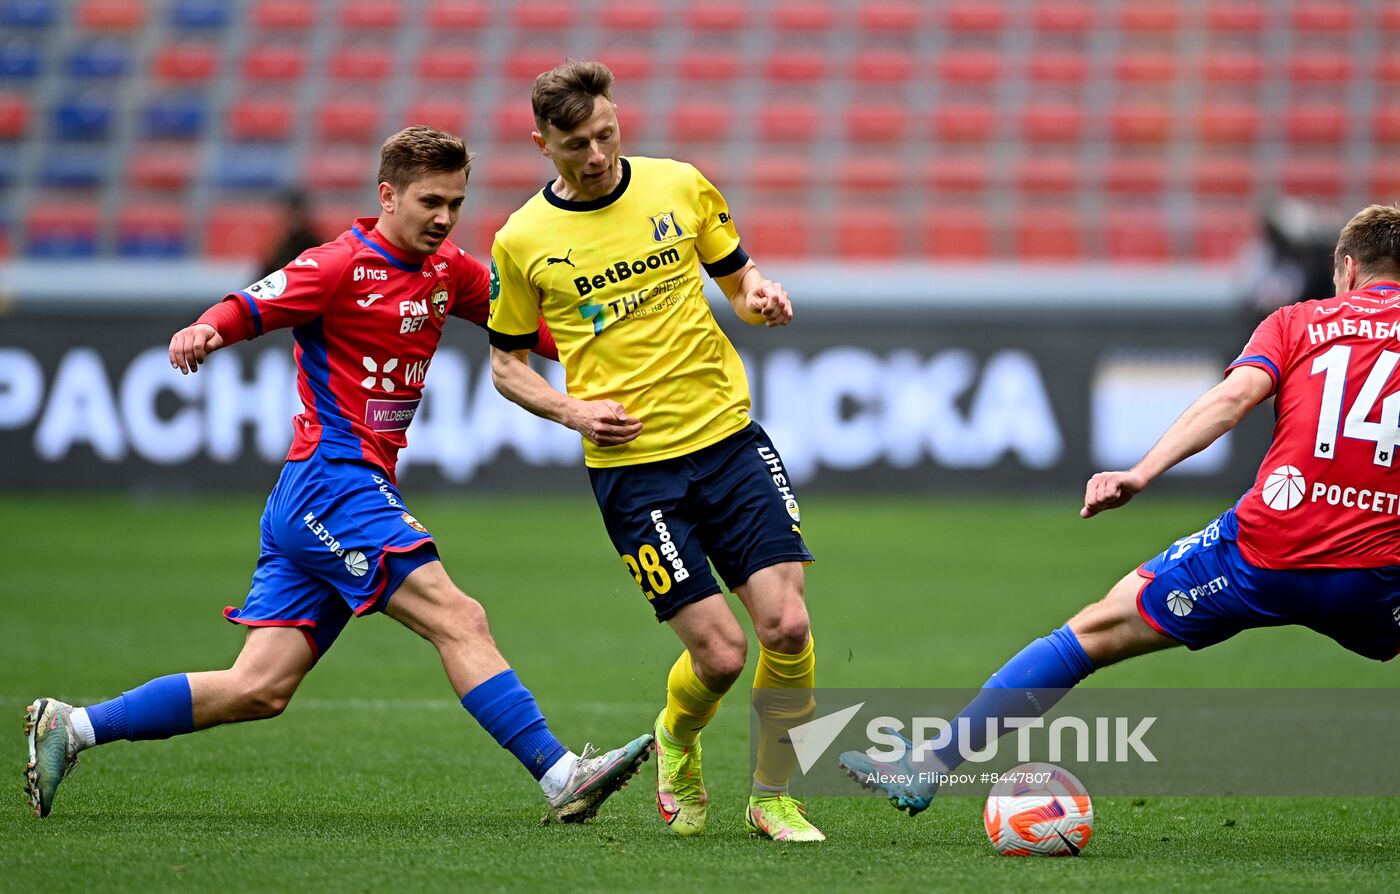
(366, 311)
(1315, 542)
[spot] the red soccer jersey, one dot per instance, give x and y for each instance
(1328, 492)
(367, 318)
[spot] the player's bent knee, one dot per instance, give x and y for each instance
(788, 632)
(719, 664)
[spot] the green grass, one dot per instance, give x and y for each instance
(376, 779)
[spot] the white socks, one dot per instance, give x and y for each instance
(557, 776)
(81, 728)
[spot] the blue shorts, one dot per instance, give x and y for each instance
(337, 541)
(1201, 591)
(730, 503)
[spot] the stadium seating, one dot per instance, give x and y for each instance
(20, 60)
(28, 14)
(152, 231)
(61, 226)
(14, 115)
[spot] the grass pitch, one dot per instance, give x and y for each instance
(375, 778)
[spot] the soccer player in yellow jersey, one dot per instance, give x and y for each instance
(610, 254)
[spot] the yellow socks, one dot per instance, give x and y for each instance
(689, 703)
(783, 696)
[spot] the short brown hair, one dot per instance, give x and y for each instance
(1372, 238)
(565, 95)
(418, 150)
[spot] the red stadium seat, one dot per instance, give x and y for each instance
(284, 15)
(889, 16)
(528, 62)
(1149, 16)
(1317, 124)
(1388, 68)
(789, 121)
(1141, 122)
(631, 64)
(801, 65)
(349, 119)
(1135, 176)
(242, 231)
(1146, 66)
(329, 221)
(1063, 16)
(1047, 235)
(1225, 176)
(521, 174)
(964, 122)
(186, 63)
(111, 15)
(279, 61)
(513, 121)
(981, 67)
(701, 120)
(1385, 181)
(447, 112)
(631, 15)
(445, 16)
(720, 15)
(1390, 18)
(14, 115)
(478, 225)
(885, 65)
(67, 222)
(1221, 232)
(869, 174)
(868, 234)
(1235, 15)
(262, 117)
(448, 63)
(710, 64)
(160, 167)
(1385, 124)
(1052, 121)
(802, 16)
(542, 15)
(1229, 122)
(1233, 66)
(1317, 178)
(958, 174)
(1319, 67)
(1057, 66)
(957, 234)
(1047, 174)
(876, 121)
(334, 169)
(974, 16)
(147, 222)
(370, 15)
(1136, 236)
(771, 232)
(775, 173)
(1312, 17)
(362, 62)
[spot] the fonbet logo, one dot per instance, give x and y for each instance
(1284, 488)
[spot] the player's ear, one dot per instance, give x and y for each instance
(540, 142)
(386, 197)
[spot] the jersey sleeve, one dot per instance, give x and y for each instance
(1268, 346)
(296, 294)
(472, 299)
(514, 319)
(717, 242)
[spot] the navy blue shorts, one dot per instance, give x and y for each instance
(1201, 591)
(730, 503)
(336, 542)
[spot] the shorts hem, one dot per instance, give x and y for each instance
(670, 611)
(373, 600)
(758, 565)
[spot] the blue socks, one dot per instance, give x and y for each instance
(1028, 685)
(158, 710)
(507, 710)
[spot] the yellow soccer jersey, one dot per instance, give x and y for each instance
(618, 282)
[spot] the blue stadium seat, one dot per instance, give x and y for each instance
(153, 231)
(28, 13)
(200, 13)
(99, 59)
(254, 167)
(19, 60)
(62, 244)
(9, 165)
(74, 168)
(178, 115)
(87, 117)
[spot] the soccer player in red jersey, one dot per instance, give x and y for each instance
(366, 311)
(1315, 542)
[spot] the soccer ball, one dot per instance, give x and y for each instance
(1038, 809)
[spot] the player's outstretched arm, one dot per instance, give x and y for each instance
(1213, 414)
(756, 300)
(603, 422)
(190, 346)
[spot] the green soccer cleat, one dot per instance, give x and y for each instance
(595, 777)
(680, 789)
(781, 818)
(52, 754)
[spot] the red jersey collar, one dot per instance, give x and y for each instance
(404, 260)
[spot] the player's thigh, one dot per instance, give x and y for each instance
(1114, 628)
(644, 511)
(775, 601)
(747, 511)
(713, 636)
(427, 602)
(285, 596)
